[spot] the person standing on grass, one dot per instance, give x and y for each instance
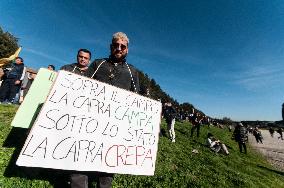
(12, 84)
(196, 123)
(169, 115)
(115, 71)
(240, 135)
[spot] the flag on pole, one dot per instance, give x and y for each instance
(4, 61)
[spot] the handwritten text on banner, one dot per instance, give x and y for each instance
(87, 125)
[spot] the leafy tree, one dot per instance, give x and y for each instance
(227, 120)
(8, 44)
(150, 88)
(187, 107)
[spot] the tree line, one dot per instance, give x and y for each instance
(8, 44)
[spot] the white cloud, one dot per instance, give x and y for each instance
(260, 76)
(42, 54)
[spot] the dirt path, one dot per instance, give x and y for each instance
(272, 148)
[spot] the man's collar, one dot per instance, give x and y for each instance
(80, 68)
(114, 61)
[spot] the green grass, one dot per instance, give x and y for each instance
(176, 165)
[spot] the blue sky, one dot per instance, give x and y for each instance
(226, 57)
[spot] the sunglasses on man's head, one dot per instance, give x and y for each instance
(118, 46)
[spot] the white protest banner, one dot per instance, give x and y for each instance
(86, 125)
(36, 96)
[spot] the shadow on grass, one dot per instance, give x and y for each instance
(163, 132)
(271, 170)
(199, 143)
(16, 139)
(181, 131)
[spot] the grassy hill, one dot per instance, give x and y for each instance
(176, 165)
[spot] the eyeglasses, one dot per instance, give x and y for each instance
(118, 46)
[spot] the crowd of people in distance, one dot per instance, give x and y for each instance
(240, 133)
(197, 119)
(256, 132)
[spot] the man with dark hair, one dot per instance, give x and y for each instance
(12, 83)
(51, 67)
(84, 50)
(117, 72)
(79, 180)
(83, 60)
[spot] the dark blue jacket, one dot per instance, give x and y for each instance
(16, 71)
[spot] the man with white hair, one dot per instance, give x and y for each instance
(115, 71)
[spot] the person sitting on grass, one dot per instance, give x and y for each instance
(216, 145)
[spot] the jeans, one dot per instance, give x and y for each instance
(171, 129)
(9, 90)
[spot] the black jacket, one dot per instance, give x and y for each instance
(169, 113)
(240, 134)
(121, 75)
(73, 68)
